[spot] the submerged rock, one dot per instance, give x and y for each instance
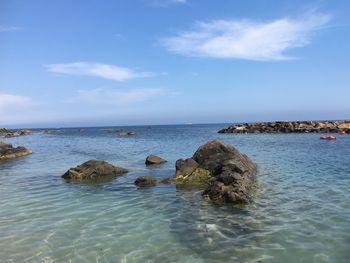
(8, 152)
(93, 169)
(126, 133)
(153, 159)
(146, 181)
(226, 174)
(53, 131)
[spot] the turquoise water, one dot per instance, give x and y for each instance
(301, 211)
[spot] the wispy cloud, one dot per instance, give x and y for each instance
(116, 97)
(9, 28)
(97, 70)
(14, 102)
(246, 39)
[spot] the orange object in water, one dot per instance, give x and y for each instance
(330, 138)
(342, 132)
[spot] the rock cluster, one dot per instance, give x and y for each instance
(290, 127)
(93, 169)
(7, 151)
(226, 174)
(8, 134)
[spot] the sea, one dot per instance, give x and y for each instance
(300, 211)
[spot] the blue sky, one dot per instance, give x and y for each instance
(127, 62)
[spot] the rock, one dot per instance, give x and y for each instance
(198, 178)
(153, 159)
(186, 167)
(93, 169)
(126, 133)
(11, 134)
(8, 152)
(25, 132)
(344, 126)
(52, 131)
(3, 131)
(81, 130)
(289, 127)
(146, 181)
(226, 174)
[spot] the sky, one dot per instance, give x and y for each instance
(140, 62)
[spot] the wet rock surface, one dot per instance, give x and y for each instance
(290, 127)
(225, 173)
(92, 170)
(7, 151)
(153, 159)
(145, 181)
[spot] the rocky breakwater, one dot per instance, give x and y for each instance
(290, 127)
(226, 175)
(7, 151)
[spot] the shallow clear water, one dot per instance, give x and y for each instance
(301, 211)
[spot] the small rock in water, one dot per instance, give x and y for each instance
(8, 152)
(146, 181)
(153, 159)
(93, 169)
(126, 133)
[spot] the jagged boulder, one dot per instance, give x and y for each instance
(153, 159)
(7, 151)
(226, 174)
(92, 170)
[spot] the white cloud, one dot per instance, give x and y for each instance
(13, 102)
(119, 98)
(9, 28)
(97, 70)
(246, 39)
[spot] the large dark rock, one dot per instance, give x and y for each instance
(226, 174)
(93, 169)
(186, 167)
(153, 159)
(8, 152)
(146, 181)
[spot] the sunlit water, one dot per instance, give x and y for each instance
(301, 211)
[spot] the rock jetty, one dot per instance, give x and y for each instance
(226, 175)
(290, 127)
(7, 151)
(92, 170)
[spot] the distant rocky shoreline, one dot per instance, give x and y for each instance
(290, 127)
